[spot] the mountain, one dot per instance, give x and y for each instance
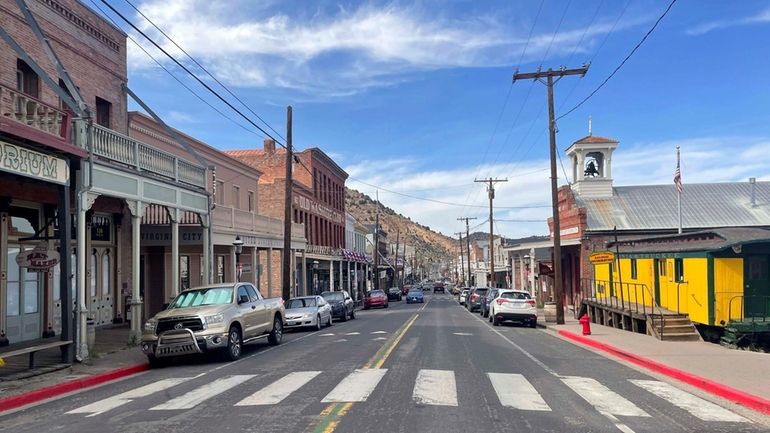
(430, 244)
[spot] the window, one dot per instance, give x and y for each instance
(220, 269)
(252, 292)
(662, 267)
(633, 269)
(251, 201)
(27, 80)
(243, 295)
(679, 270)
(220, 193)
(103, 112)
(106, 274)
(63, 105)
(236, 197)
(92, 271)
(184, 272)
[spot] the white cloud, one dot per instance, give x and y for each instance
(703, 28)
(340, 54)
(704, 159)
(179, 117)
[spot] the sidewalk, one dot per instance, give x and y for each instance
(111, 353)
(708, 366)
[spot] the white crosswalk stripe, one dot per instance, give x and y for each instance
(515, 391)
(280, 389)
(115, 401)
(435, 387)
(696, 406)
(601, 397)
(203, 393)
(356, 387)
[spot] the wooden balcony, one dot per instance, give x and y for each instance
(32, 119)
(246, 221)
(116, 147)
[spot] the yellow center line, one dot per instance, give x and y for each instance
(330, 417)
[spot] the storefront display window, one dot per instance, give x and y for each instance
(106, 274)
(184, 272)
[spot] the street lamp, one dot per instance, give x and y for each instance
(238, 244)
(315, 277)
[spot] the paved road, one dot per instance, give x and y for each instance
(410, 368)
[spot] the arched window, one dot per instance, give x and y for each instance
(93, 273)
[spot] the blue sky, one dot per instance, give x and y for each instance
(407, 95)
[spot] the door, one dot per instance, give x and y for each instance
(260, 310)
(22, 300)
(100, 287)
(248, 314)
(756, 295)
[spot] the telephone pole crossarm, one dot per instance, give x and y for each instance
(562, 72)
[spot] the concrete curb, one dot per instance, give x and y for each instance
(745, 399)
(41, 394)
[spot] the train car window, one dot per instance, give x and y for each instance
(633, 269)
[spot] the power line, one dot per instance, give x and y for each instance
(174, 76)
(204, 69)
(649, 32)
(215, 93)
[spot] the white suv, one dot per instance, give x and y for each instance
(514, 306)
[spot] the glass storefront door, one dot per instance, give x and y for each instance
(22, 300)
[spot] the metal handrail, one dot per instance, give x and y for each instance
(764, 302)
(636, 292)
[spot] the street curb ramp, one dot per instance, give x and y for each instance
(48, 392)
(745, 399)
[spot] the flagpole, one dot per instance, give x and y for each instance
(679, 192)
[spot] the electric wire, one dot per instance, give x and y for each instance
(203, 68)
(623, 62)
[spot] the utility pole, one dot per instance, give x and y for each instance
(403, 272)
(286, 257)
(468, 244)
(462, 256)
(395, 260)
(549, 76)
(491, 191)
(377, 244)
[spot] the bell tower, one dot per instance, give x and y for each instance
(591, 158)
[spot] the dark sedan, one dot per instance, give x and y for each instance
(341, 303)
(394, 294)
(474, 298)
(486, 301)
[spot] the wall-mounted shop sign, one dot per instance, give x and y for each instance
(39, 258)
(25, 162)
(601, 257)
(161, 235)
(310, 205)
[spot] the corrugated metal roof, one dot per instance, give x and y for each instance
(654, 207)
(706, 240)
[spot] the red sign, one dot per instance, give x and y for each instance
(38, 259)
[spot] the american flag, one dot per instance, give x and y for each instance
(678, 178)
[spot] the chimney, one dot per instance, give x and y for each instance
(269, 145)
(753, 182)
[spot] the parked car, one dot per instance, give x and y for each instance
(463, 296)
(439, 287)
(220, 317)
(473, 302)
(341, 303)
(394, 293)
(375, 298)
(308, 311)
(415, 295)
(513, 306)
(485, 300)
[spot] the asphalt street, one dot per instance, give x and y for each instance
(430, 367)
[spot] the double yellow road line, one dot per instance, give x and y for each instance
(331, 416)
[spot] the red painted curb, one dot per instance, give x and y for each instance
(73, 385)
(752, 401)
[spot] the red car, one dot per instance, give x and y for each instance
(376, 298)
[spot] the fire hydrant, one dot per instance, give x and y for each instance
(586, 322)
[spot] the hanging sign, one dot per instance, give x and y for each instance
(39, 258)
(601, 257)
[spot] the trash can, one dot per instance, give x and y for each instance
(550, 312)
(90, 333)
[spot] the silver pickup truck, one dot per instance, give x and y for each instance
(220, 317)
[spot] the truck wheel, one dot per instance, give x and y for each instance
(276, 335)
(234, 344)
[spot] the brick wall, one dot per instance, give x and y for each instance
(93, 52)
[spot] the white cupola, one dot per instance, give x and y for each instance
(591, 158)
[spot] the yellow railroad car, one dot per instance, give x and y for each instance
(720, 277)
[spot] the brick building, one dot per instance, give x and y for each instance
(318, 193)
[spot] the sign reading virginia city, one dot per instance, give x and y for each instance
(26, 162)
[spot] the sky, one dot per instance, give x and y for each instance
(415, 100)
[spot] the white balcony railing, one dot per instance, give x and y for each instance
(237, 219)
(121, 148)
(26, 110)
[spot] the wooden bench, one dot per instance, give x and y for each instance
(31, 350)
